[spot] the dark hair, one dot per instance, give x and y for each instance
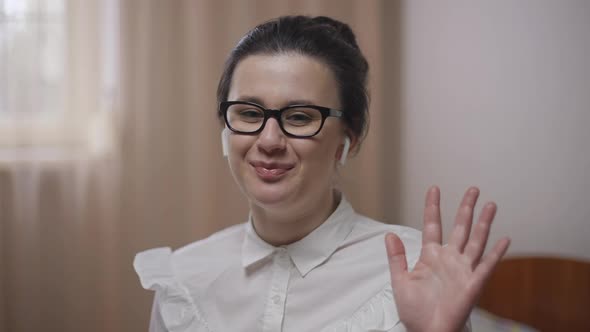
(321, 37)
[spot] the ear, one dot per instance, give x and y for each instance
(345, 150)
(224, 141)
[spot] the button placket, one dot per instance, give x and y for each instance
(276, 299)
(275, 306)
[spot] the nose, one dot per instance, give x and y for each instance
(272, 139)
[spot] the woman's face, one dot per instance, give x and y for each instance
(272, 169)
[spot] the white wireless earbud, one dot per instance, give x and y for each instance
(224, 141)
(345, 151)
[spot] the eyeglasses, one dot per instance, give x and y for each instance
(299, 121)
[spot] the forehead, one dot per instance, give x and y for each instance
(278, 80)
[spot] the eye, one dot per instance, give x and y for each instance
(298, 117)
(301, 116)
(250, 115)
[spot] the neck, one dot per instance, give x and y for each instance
(282, 226)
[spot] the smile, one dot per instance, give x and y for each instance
(271, 171)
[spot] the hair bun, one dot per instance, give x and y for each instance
(342, 30)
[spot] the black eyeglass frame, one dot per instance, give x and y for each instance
(274, 113)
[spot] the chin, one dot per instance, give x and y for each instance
(270, 194)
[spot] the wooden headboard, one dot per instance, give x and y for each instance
(549, 294)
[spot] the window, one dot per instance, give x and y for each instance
(58, 75)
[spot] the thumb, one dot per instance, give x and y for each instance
(396, 254)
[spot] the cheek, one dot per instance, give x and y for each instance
(239, 145)
(321, 158)
(238, 149)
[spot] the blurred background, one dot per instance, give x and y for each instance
(109, 143)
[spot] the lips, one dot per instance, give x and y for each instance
(271, 171)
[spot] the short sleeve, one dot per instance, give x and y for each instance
(156, 320)
(173, 310)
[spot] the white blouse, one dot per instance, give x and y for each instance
(336, 279)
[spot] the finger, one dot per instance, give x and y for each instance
(432, 232)
(477, 243)
(396, 255)
(489, 261)
(464, 219)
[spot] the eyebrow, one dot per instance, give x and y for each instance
(259, 101)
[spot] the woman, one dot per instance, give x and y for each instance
(293, 100)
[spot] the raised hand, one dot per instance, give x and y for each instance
(439, 293)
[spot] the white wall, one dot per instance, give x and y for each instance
(497, 94)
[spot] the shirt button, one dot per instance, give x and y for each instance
(276, 299)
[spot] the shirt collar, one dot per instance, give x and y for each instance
(254, 248)
(310, 251)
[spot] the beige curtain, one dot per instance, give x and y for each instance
(69, 229)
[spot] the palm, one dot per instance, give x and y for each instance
(438, 294)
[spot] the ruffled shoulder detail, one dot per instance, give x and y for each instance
(378, 314)
(177, 308)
